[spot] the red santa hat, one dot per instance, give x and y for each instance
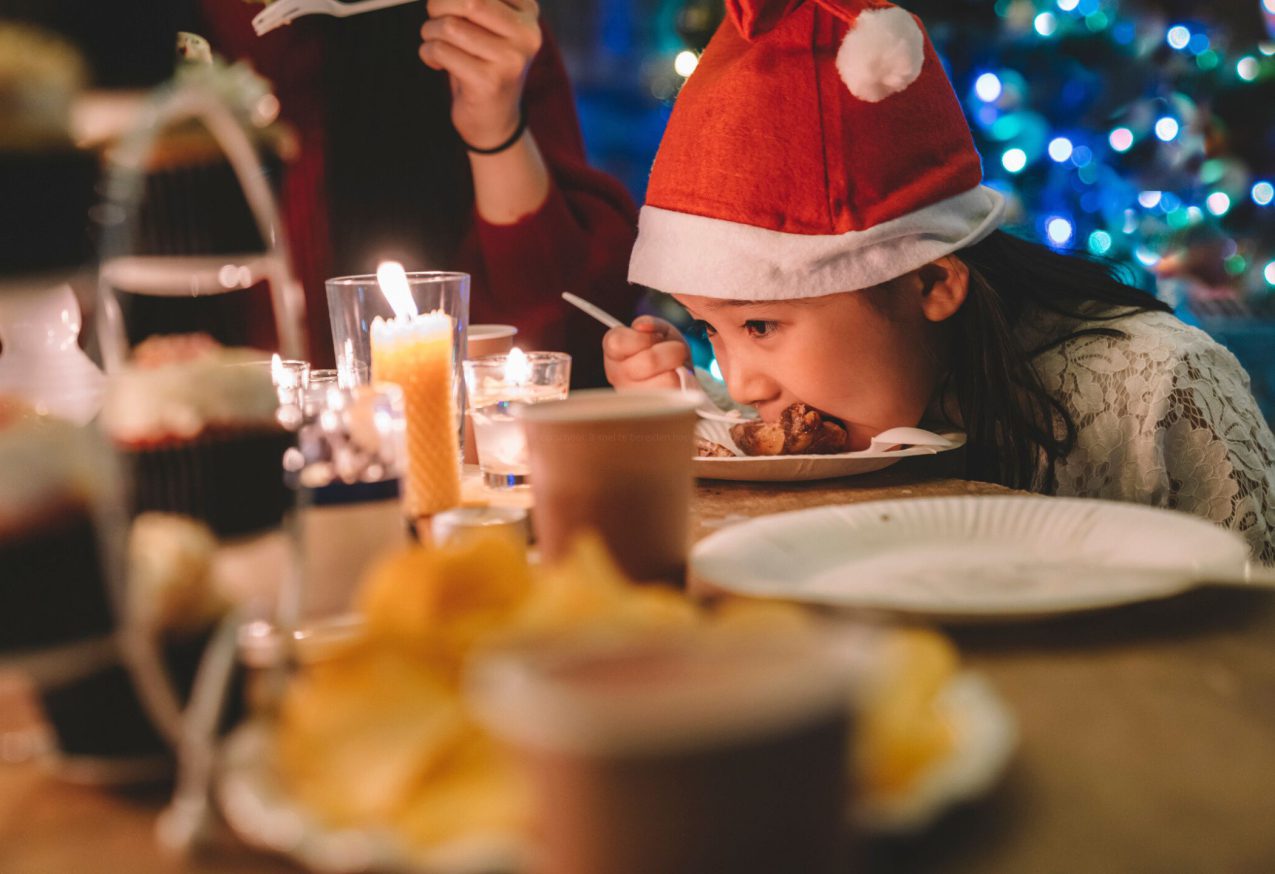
(818, 147)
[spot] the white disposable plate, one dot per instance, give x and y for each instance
(984, 736)
(798, 468)
(258, 807)
(260, 810)
(971, 558)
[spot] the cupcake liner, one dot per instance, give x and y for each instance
(44, 222)
(231, 479)
(198, 208)
(54, 590)
(243, 317)
(101, 716)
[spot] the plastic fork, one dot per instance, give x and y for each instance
(685, 378)
(283, 12)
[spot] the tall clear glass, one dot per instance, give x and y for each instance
(354, 301)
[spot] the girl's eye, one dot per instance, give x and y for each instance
(759, 327)
(701, 328)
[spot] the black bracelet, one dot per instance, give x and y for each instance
(513, 138)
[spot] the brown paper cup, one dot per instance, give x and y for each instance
(489, 340)
(666, 755)
(619, 463)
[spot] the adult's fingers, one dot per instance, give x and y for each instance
(497, 16)
(464, 34)
(469, 69)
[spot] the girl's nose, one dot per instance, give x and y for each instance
(748, 383)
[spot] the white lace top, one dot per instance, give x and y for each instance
(1163, 417)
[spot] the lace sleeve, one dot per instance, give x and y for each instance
(1164, 416)
(1217, 452)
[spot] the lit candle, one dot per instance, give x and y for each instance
(415, 351)
(497, 384)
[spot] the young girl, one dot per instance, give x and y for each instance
(816, 205)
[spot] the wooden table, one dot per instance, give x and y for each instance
(1147, 740)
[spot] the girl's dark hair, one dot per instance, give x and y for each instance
(1016, 429)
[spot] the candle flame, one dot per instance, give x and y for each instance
(517, 367)
(393, 281)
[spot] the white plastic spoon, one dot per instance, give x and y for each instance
(905, 436)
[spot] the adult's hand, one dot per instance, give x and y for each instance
(485, 46)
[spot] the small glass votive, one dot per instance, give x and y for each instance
(347, 466)
(460, 523)
(499, 384)
(325, 378)
(291, 377)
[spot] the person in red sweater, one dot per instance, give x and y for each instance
(443, 135)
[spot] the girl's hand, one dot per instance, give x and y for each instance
(485, 46)
(646, 355)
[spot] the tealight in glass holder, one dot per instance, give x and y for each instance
(497, 385)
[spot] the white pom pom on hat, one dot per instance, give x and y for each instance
(881, 54)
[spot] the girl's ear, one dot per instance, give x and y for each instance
(945, 283)
(752, 18)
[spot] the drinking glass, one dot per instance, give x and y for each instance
(354, 301)
(499, 384)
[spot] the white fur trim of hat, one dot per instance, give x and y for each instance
(681, 253)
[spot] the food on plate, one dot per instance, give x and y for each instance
(709, 449)
(903, 728)
(376, 733)
(800, 430)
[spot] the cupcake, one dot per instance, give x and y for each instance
(46, 183)
(54, 480)
(196, 424)
(104, 731)
(195, 239)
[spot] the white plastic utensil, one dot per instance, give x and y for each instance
(596, 311)
(283, 12)
(685, 378)
(905, 436)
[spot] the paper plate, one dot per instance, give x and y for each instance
(984, 738)
(971, 558)
(260, 810)
(258, 807)
(798, 468)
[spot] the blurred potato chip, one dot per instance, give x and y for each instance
(356, 731)
(476, 789)
(754, 614)
(587, 589)
(445, 600)
(902, 730)
(376, 733)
